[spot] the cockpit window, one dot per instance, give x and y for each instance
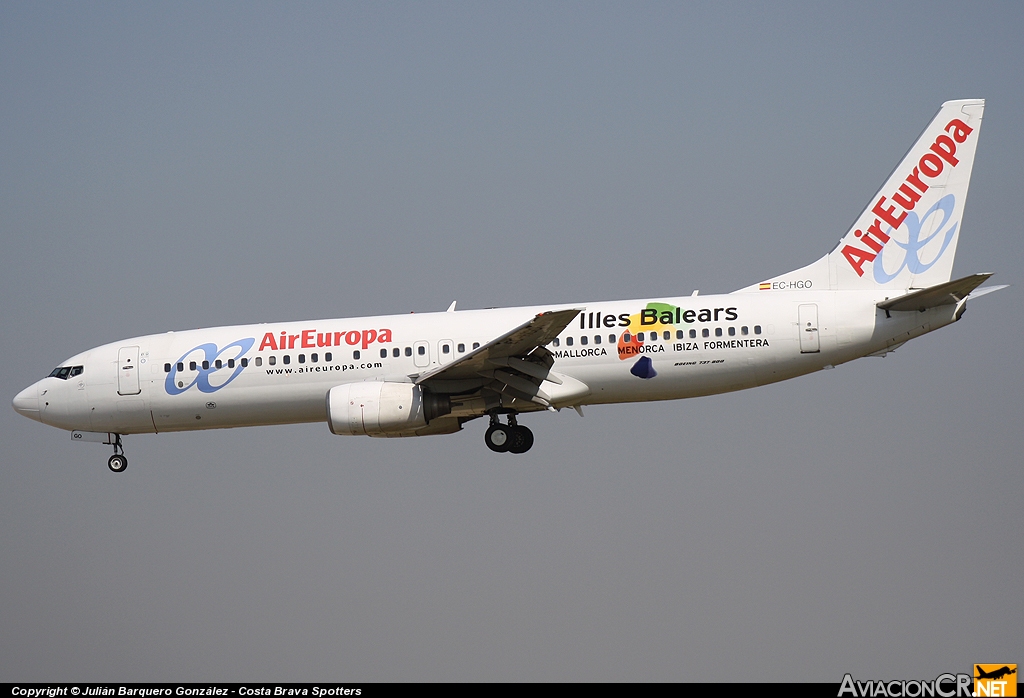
(65, 372)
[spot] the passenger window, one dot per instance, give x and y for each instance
(705, 332)
(383, 353)
(732, 331)
(583, 340)
(568, 341)
(476, 345)
(461, 348)
(446, 348)
(625, 337)
(272, 360)
(302, 358)
(556, 341)
(355, 354)
(611, 339)
(218, 363)
(667, 335)
(206, 365)
(680, 334)
(597, 339)
(744, 330)
(286, 359)
(422, 351)
(328, 357)
(231, 363)
(396, 352)
(259, 361)
(757, 329)
(313, 358)
(191, 365)
(693, 334)
(408, 351)
(167, 368)
(181, 366)
(718, 331)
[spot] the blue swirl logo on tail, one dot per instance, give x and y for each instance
(912, 247)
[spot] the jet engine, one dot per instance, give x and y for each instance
(383, 409)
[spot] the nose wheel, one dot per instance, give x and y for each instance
(508, 439)
(117, 462)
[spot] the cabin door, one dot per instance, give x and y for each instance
(128, 371)
(808, 314)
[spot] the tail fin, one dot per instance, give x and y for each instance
(906, 237)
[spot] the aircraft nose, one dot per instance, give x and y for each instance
(27, 402)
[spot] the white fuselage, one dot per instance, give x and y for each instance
(888, 280)
(280, 373)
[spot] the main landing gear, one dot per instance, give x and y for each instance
(512, 438)
(117, 462)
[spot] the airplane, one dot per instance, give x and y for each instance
(995, 674)
(885, 283)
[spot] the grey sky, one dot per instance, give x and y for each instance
(167, 166)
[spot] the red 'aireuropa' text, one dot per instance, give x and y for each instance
(310, 339)
(941, 153)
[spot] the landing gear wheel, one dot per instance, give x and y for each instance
(522, 440)
(498, 438)
(117, 463)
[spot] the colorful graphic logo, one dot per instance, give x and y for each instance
(644, 368)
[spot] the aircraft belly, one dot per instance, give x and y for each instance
(241, 406)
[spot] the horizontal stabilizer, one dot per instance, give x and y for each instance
(949, 293)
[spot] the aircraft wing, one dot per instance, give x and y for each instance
(516, 363)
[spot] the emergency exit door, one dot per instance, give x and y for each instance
(421, 354)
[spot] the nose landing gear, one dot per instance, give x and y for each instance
(117, 462)
(512, 438)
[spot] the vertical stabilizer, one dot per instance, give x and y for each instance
(907, 235)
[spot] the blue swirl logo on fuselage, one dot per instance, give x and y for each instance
(912, 247)
(206, 378)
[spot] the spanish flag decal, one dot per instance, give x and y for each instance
(765, 287)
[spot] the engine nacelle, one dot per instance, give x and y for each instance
(381, 408)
